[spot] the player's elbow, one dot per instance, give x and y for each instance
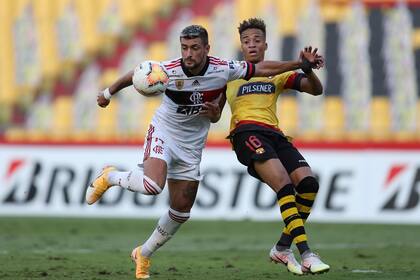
(318, 91)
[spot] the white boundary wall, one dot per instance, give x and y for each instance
(355, 185)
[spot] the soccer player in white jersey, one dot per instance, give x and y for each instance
(178, 131)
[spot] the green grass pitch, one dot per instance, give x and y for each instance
(51, 248)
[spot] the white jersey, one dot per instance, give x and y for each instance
(185, 94)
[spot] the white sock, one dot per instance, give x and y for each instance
(167, 226)
(134, 181)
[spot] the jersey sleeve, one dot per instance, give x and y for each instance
(289, 80)
(240, 70)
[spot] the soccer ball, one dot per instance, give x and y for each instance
(150, 79)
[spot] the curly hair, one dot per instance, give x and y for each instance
(256, 23)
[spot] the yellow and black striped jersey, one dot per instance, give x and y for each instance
(255, 100)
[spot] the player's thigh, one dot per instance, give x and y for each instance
(255, 149)
(273, 173)
(291, 159)
(182, 194)
(253, 146)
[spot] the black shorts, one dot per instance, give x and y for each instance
(261, 145)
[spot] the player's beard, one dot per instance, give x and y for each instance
(194, 66)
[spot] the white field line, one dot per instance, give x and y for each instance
(222, 247)
(366, 271)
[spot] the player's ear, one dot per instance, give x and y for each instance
(207, 48)
(266, 46)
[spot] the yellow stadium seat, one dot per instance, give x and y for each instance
(418, 120)
(45, 22)
(106, 126)
(62, 124)
(243, 9)
(150, 106)
(288, 115)
(380, 119)
(15, 134)
(203, 21)
(109, 76)
(334, 12)
(334, 118)
(287, 17)
(416, 38)
(157, 51)
(88, 17)
(8, 92)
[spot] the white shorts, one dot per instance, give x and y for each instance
(181, 164)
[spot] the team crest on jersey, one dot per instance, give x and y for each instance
(179, 84)
(260, 151)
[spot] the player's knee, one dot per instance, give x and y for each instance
(308, 185)
(151, 187)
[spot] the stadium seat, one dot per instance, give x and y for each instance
(334, 118)
(416, 38)
(7, 68)
(150, 106)
(157, 51)
(62, 124)
(45, 17)
(288, 115)
(331, 12)
(106, 125)
(380, 118)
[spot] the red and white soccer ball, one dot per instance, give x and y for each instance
(150, 78)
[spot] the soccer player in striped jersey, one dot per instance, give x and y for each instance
(177, 133)
(260, 145)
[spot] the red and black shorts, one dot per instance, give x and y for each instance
(261, 145)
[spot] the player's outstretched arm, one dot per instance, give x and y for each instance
(310, 83)
(272, 68)
(104, 97)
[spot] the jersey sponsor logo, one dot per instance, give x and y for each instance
(256, 88)
(188, 110)
(179, 84)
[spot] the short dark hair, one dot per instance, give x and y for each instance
(256, 23)
(195, 31)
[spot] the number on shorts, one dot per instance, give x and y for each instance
(253, 143)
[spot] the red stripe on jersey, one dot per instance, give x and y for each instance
(291, 80)
(257, 123)
(174, 62)
(173, 66)
(217, 61)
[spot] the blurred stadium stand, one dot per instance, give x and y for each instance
(56, 55)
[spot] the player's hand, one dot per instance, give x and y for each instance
(101, 100)
(310, 59)
(210, 110)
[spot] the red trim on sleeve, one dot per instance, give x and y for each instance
(291, 80)
(250, 70)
